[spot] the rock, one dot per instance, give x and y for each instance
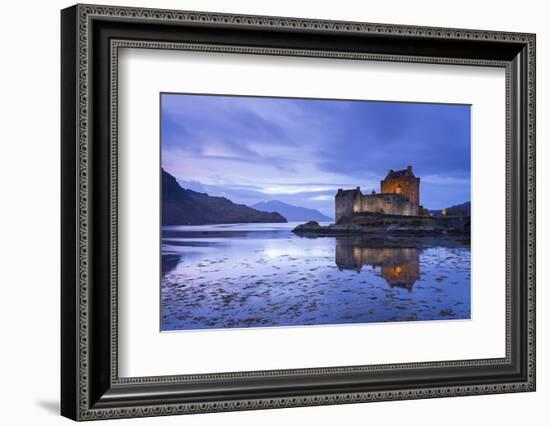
(311, 224)
(308, 226)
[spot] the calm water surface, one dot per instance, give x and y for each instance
(262, 275)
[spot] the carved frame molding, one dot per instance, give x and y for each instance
(77, 341)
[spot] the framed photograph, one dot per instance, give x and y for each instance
(263, 212)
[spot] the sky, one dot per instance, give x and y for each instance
(301, 151)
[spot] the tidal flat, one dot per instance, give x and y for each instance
(263, 275)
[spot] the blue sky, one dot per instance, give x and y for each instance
(300, 151)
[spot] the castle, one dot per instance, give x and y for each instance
(399, 195)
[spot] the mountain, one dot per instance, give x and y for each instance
(185, 207)
(463, 210)
(292, 213)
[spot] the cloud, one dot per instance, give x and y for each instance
(446, 180)
(293, 189)
(375, 136)
(322, 198)
(304, 150)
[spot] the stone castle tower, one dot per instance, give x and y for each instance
(399, 195)
(402, 182)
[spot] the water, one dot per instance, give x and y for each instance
(262, 275)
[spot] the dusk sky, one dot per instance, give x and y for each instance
(300, 151)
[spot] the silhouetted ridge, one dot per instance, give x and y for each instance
(186, 207)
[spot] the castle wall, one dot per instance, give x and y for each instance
(388, 204)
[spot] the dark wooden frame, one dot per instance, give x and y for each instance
(90, 386)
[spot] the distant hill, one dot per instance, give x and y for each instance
(185, 207)
(463, 209)
(292, 213)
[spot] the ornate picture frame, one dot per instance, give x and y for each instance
(91, 37)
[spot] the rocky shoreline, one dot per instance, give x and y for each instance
(387, 234)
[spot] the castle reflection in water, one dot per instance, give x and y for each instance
(400, 267)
